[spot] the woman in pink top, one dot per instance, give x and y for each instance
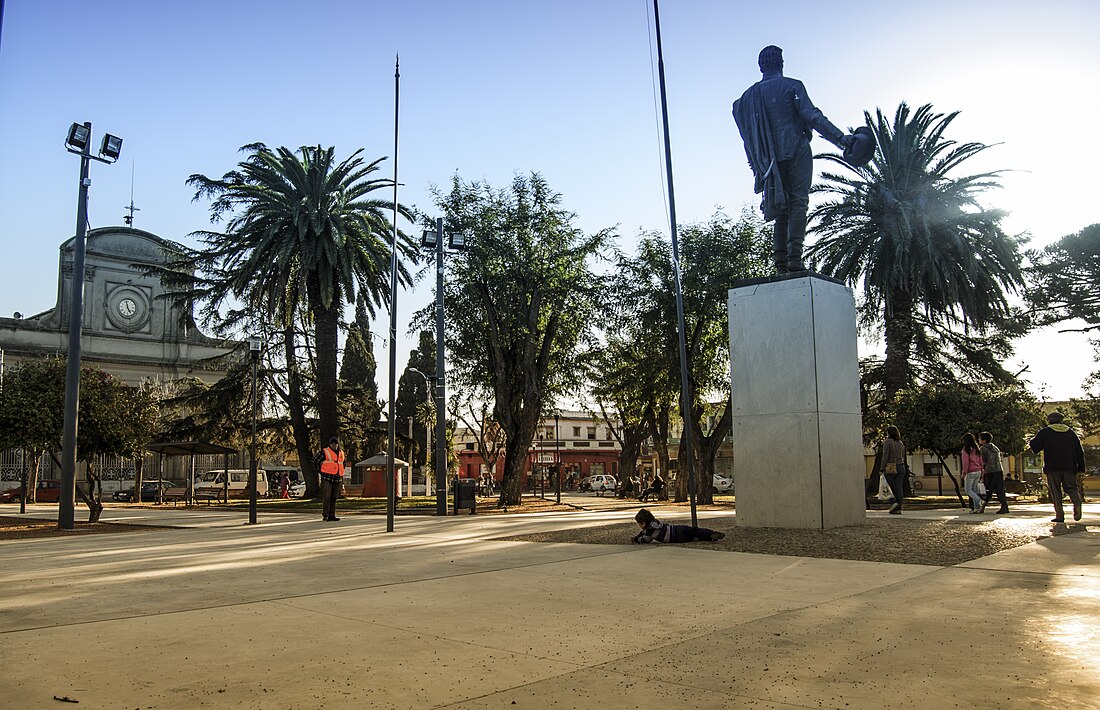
(972, 466)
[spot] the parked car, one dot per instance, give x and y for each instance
(600, 483)
(297, 489)
(45, 492)
(722, 484)
(149, 492)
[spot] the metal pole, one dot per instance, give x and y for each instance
(23, 473)
(66, 507)
(684, 455)
(252, 483)
(391, 503)
(557, 458)
(440, 380)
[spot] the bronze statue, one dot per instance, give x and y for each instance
(775, 117)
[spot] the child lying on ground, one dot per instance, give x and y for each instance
(654, 530)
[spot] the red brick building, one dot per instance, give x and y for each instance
(581, 442)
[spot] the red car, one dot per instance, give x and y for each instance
(47, 492)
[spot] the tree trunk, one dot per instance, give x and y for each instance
(679, 491)
(326, 336)
(659, 431)
(29, 492)
(519, 430)
(515, 459)
(954, 482)
(297, 412)
(706, 448)
(899, 331)
(95, 492)
(139, 469)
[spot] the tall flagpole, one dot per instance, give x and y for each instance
(391, 501)
(684, 458)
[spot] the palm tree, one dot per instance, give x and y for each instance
(935, 266)
(303, 235)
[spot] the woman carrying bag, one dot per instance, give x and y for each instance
(893, 466)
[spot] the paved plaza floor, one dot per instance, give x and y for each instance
(298, 613)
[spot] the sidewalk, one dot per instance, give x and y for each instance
(297, 613)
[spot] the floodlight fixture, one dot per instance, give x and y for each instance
(428, 238)
(456, 240)
(78, 138)
(111, 147)
(255, 344)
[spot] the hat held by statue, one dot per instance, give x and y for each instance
(860, 150)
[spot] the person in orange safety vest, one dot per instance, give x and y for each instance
(330, 462)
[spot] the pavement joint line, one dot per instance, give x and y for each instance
(229, 605)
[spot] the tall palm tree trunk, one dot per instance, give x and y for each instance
(298, 415)
(899, 331)
(326, 330)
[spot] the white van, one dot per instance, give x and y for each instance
(213, 482)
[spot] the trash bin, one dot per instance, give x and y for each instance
(465, 495)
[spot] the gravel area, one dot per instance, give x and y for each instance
(907, 541)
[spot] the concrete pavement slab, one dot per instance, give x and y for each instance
(303, 614)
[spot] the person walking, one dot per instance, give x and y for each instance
(893, 466)
(284, 485)
(330, 462)
(971, 458)
(992, 472)
(1063, 457)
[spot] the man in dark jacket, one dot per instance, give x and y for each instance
(775, 117)
(1063, 457)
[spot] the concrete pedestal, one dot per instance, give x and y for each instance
(797, 429)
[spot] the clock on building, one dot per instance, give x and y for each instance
(127, 308)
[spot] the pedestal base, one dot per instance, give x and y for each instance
(797, 427)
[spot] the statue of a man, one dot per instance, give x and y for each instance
(775, 116)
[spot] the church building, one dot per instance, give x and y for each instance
(129, 330)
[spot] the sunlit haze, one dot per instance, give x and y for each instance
(491, 88)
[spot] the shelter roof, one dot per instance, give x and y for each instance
(183, 448)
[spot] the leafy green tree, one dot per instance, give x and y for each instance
(935, 268)
(31, 411)
(360, 408)
(1065, 279)
(527, 297)
(934, 418)
(114, 419)
(487, 432)
(714, 254)
(624, 378)
(303, 236)
(412, 395)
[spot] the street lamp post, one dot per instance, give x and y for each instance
(428, 385)
(255, 346)
(79, 141)
(433, 239)
(557, 458)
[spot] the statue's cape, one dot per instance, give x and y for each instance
(752, 122)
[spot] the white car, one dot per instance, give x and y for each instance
(722, 484)
(602, 483)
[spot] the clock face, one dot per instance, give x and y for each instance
(127, 308)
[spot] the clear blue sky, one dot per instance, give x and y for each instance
(563, 87)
